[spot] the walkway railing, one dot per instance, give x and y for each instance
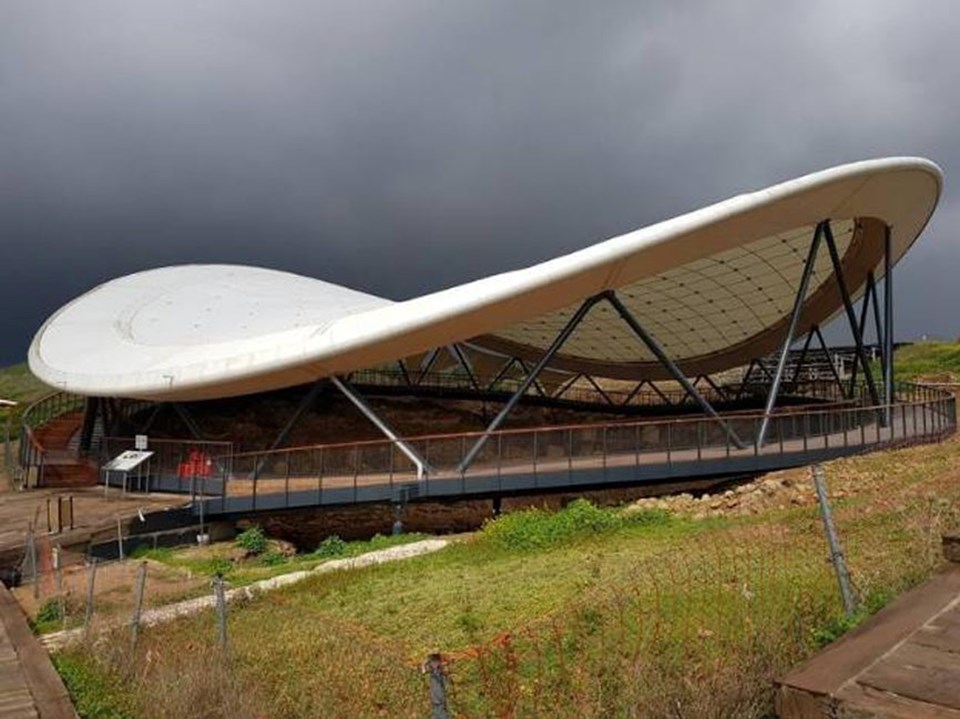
(33, 456)
(529, 460)
(190, 466)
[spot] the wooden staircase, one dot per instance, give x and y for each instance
(63, 467)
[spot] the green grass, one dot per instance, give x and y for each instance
(581, 613)
(927, 358)
(19, 385)
(585, 612)
(96, 694)
(268, 562)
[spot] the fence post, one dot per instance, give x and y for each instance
(433, 667)
(137, 606)
(58, 575)
(836, 554)
(221, 606)
(31, 560)
(119, 538)
(91, 579)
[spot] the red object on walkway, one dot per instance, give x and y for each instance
(198, 464)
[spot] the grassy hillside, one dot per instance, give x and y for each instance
(928, 359)
(582, 613)
(17, 384)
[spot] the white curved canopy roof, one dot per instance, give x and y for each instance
(714, 286)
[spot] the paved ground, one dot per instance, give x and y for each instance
(91, 509)
(902, 664)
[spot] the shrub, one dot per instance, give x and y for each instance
(538, 528)
(837, 626)
(272, 558)
(219, 565)
(48, 616)
(252, 540)
(332, 546)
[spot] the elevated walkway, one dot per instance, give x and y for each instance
(537, 461)
(814, 423)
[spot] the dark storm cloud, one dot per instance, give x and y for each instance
(399, 147)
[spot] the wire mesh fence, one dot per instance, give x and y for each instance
(693, 628)
(705, 625)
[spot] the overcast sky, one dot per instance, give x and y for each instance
(401, 147)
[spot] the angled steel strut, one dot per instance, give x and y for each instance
(669, 364)
(610, 297)
(528, 380)
(848, 306)
(351, 394)
(791, 331)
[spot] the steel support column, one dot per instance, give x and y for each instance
(848, 306)
(791, 331)
(888, 325)
(351, 394)
(669, 364)
(877, 322)
(531, 377)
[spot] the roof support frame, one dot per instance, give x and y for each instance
(660, 393)
(562, 389)
(304, 404)
(888, 325)
(869, 297)
(745, 379)
(833, 366)
(714, 386)
(599, 390)
(351, 394)
(879, 325)
(848, 307)
(464, 362)
(189, 422)
(507, 366)
(798, 301)
(427, 364)
(403, 371)
(530, 378)
(633, 393)
(536, 385)
(669, 364)
(803, 357)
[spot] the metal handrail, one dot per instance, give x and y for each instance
(32, 454)
(818, 422)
